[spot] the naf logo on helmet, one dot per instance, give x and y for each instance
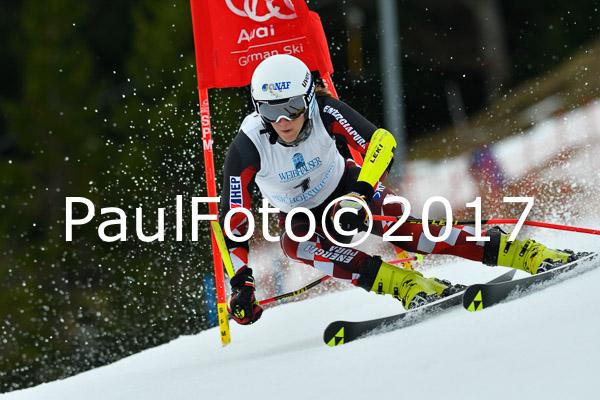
(276, 86)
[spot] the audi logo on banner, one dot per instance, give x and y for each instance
(262, 10)
(234, 36)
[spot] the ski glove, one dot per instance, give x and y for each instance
(353, 214)
(243, 306)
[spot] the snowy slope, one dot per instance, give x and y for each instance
(543, 346)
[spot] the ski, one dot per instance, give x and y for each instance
(341, 332)
(480, 296)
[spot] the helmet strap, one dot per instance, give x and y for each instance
(269, 130)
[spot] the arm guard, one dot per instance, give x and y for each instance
(378, 158)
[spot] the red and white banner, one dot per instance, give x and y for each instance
(233, 36)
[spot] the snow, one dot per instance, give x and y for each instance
(542, 346)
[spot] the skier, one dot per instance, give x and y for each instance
(287, 147)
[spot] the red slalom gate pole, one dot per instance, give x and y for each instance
(493, 221)
(543, 225)
(211, 189)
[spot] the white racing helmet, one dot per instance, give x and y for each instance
(282, 87)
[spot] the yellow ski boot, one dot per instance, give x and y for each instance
(410, 287)
(526, 255)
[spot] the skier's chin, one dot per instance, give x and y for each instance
(288, 136)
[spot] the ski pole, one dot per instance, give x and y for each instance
(295, 292)
(220, 239)
(322, 279)
(491, 221)
(416, 258)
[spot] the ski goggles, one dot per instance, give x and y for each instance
(290, 109)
